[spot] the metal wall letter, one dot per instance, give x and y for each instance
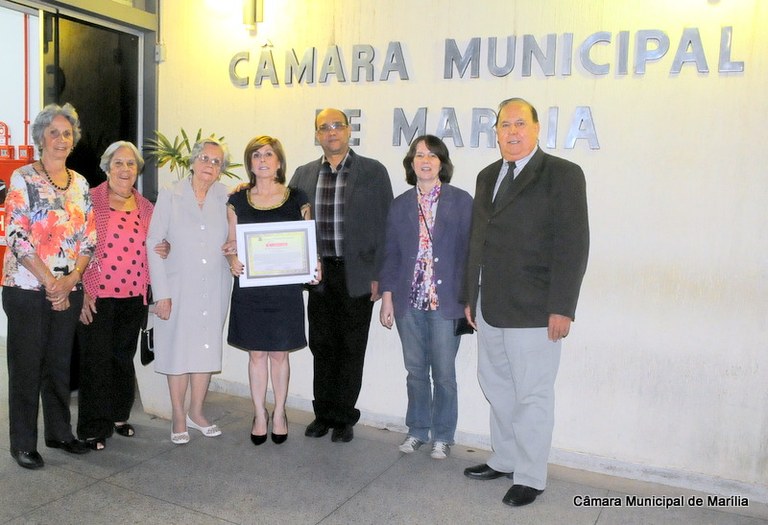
(546, 60)
(643, 54)
(400, 126)
(353, 114)
(690, 39)
(299, 70)
(622, 53)
(566, 53)
(394, 62)
(332, 65)
(582, 127)
(448, 127)
(552, 127)
(362, 58)
(483, 120)
(725, 65)
(453, 56)
(266, 69)
(237, 81)
(602, 37)
(509, 65)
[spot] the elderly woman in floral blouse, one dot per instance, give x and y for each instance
(50, 236)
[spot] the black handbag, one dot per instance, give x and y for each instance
(461, 327)
(147, 345)
(146, 336)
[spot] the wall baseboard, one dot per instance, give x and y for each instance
(694, 481)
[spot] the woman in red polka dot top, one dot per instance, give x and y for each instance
(115, 299)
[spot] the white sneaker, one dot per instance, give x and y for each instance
(410, 445)
(440, 450)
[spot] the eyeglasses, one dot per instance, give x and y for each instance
(205, 159)
(325, 128)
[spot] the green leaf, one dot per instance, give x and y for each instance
(176, 155)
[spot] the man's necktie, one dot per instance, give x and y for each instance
(506, 182)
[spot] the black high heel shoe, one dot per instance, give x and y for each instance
(279, 439)
(258, 439)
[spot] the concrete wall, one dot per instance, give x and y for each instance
(664, 375)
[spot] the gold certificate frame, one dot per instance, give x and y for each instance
(276, 253)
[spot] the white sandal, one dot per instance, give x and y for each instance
(179, 438)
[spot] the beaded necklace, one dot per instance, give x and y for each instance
(47, 176)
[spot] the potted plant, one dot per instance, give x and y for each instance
(176, 153)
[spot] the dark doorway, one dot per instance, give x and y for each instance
(96, 69)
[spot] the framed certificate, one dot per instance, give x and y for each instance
(277, 252)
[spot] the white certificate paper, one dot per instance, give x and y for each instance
(277, 252)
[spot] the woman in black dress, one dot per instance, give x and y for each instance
(268, 322)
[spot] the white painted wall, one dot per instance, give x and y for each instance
(665, 371)
(12, 68)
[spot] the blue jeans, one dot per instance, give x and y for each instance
(429, 343)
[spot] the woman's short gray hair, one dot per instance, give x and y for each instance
(197, 149)
(46, 116)
(106, 158)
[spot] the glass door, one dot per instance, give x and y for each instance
(96, 69)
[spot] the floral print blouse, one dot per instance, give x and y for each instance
(56, 225)
(423, 294)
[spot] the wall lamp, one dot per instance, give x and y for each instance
(253, 12)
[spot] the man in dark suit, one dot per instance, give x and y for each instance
(527, 256)
(350, 196)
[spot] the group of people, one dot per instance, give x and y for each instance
(76, 262)
(428, 254)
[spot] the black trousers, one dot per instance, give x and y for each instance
(39, 353)
(107, 374)
(338, 335)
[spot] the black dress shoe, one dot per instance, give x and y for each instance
(258, 439)
(73, 446)
(343, 434)
(483, 472)
(519, 495)
(31, 460)
(318, 428)
(279, 439)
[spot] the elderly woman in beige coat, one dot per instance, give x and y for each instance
(191, 287)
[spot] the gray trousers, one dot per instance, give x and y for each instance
(517, 368)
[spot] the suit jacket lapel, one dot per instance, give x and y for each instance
(352, 176)
(444, 205)
(485, 192)
(528, 175)
(412, 215)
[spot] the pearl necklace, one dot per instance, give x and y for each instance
(47, 176)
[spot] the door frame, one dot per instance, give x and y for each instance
(142, 23)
